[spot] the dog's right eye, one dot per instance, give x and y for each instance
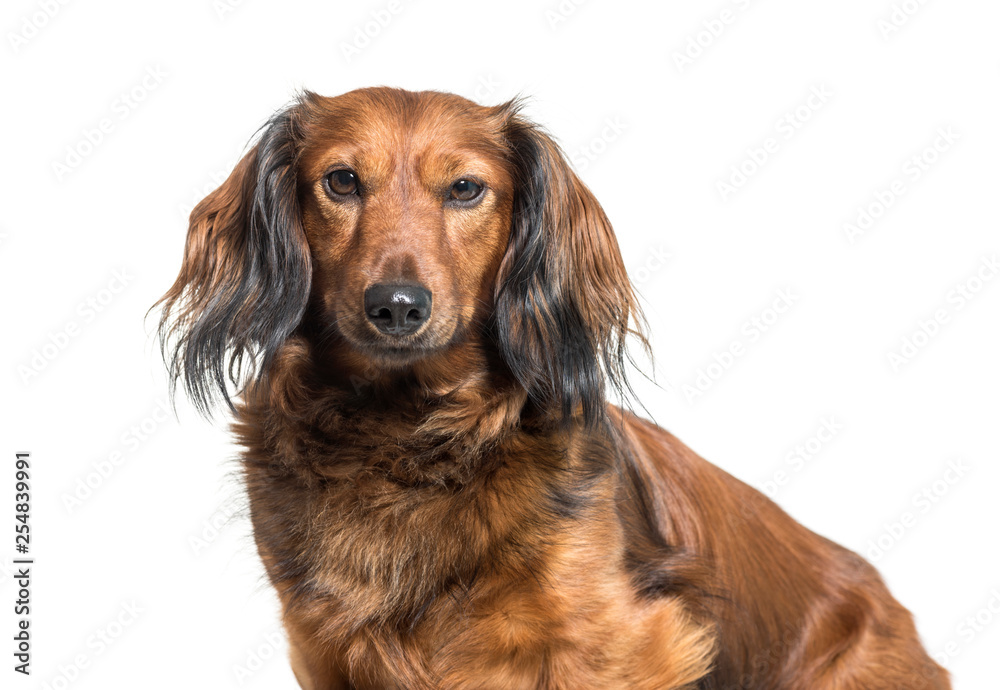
(342, 182)
(466, 190)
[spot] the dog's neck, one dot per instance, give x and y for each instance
(430, 426)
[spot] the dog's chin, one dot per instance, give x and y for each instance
(398, 354)
(398, 357)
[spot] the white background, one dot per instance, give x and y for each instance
(214, 72)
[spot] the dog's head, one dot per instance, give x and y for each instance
(395, 229)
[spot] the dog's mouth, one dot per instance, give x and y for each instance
(394, 348)
(399, 353)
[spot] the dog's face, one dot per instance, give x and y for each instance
(393, 230)
(406, 208)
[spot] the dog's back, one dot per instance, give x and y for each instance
(792, 609)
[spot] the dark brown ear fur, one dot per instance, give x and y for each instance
(245, 279)
(564, 301)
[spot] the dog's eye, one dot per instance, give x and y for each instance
(466, 190)
(342, 182)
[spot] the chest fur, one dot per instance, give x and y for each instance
(511, 573)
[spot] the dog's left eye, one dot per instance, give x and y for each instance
(342, 182)
(466, 190)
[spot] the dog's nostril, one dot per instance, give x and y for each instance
(397, 309)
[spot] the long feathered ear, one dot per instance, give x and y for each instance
(564, 302)
(244, 282)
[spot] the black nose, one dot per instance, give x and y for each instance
(397, 309)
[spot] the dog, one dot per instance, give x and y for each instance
(416, 313)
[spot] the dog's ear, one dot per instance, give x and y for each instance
(564, 302)
(246, 274)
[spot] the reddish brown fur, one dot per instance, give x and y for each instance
(431, 518)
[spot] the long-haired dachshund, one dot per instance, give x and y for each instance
(422, 308)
